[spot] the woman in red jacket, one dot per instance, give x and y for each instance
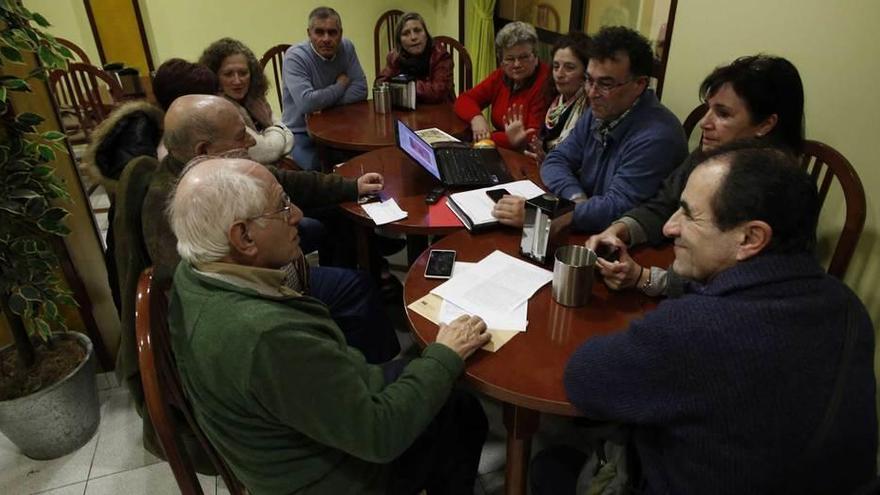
(418, 56)
(517, 86)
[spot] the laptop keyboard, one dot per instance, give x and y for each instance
(462, 166)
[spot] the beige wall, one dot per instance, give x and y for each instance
(184, 28)
(69, 21)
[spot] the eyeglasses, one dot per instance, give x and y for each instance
(603, 86)
(509, 60)
(284, 211)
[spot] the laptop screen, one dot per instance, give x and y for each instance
(417, 149)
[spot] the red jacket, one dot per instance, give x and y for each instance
(438, 87)
(493, 91)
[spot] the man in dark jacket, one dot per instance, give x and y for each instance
(760, 379)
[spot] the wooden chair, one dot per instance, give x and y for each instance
(693, 118)
(79, 52)
(81, 93)
(824, 163)
(163, 393)
(547, 17)
(383, 36)
(464, 64)
(275, 57)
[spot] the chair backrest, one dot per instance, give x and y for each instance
(693, 118)
(383, 36)
(824, 163)
(547, 17)
(163, 390)
(87, 93)
(463, 63)
(80, 54)
(275, 57)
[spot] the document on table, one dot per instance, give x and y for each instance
(495, 287)
(516, 320)
(384, 212)
(477, 206)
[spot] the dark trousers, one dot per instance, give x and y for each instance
(554, 471)
(445, 458)
(356, 307)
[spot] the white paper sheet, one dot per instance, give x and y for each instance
(384, 212)
(497, 285)
(516, 320)
(478, 205)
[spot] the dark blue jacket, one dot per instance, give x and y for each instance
(621, 172)
(726, 386)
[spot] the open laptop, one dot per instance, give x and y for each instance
(457, 165)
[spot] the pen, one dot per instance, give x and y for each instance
(362, 169)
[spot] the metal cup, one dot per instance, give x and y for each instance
(381, 98)
(573, 275)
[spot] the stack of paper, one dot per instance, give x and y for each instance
(496, 289)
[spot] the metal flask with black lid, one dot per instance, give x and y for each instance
(546, 222)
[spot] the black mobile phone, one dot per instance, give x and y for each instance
(607, 253)
(497, 194)
(440, 263)
(435, 194)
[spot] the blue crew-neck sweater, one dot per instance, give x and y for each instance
(726, 386)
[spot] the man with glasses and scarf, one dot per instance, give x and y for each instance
(623, 146)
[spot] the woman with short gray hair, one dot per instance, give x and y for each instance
(515, 90)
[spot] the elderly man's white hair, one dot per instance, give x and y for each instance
(209, 198)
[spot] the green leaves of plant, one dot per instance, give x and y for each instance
(12, 54)
(29, 269)
(51, 221)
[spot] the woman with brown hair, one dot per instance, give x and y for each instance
(242, 81)
(418, 56)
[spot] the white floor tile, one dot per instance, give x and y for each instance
(74, 489)
(102, 220)
(493, 483)
(22, 475)
(99, 199)
(156, 479)
(120, 445)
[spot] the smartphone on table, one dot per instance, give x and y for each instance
(440, 263)
(496, 194)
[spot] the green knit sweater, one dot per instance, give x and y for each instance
(289, 406)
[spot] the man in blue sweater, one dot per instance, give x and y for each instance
(621, 149)
(744, 384)
(319, 73)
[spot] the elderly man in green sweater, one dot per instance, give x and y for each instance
(290, 406)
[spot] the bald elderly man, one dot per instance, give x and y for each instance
(293, 409)
(209, 125)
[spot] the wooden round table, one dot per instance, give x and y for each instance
(356, 127)
(408, 183)
(526, 373)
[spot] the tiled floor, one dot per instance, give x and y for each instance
(115, 462)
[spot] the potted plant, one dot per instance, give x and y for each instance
(48, 395)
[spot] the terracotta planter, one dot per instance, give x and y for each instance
(58, 419)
